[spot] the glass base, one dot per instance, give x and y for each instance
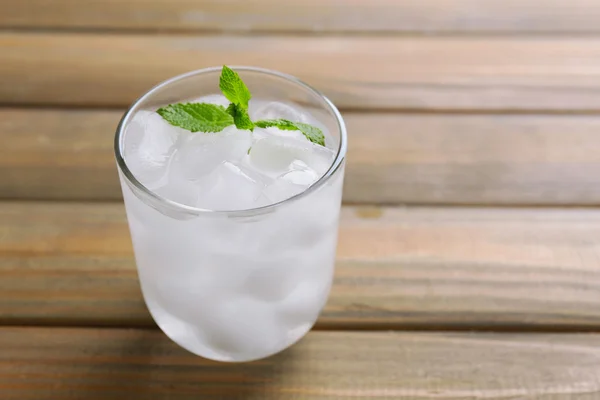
(195, 340)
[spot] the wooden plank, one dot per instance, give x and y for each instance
(109, 363)
(56, 154)
(425, 73)
(421, 16)
(393, 158)
(473, 159)
(463, 268)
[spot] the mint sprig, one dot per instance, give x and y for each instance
(206, 117)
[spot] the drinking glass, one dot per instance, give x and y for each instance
(236, 285)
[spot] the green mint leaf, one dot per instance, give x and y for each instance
(282, 124)
(234, 88)
(197, 117)
(240, 116)
(312, 133)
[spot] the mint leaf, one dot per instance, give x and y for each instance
(282, 124)
(234, 88)
(241, 119)
(197, 117)
(312, 133)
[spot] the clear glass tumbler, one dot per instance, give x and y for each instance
(236, 285)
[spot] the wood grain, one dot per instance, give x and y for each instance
(413, 16)
(392, 159)
(454, 268)
(385, 72)
(136, 364)
(58, 154)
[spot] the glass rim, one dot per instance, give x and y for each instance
(127, 116)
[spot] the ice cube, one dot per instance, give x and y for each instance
(300, 174)
(277, 110)
(149, 143)
(273, 279)
(217, 99)
(180, 191)
(303, 304)
(274, 155)
(260, 133)
(295, 181)
(201, 153)
(280, 190)
(235, 187)
(239, 324)
(237, 143)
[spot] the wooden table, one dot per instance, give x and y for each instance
(469, 255)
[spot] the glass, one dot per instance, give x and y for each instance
(236, 285)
